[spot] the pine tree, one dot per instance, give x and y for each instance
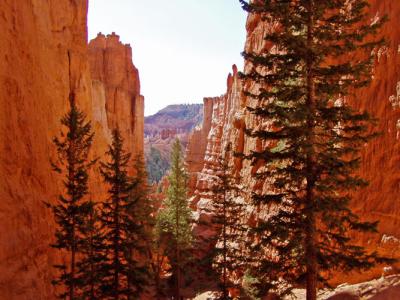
(119, 226)
(143, 215)
(175, 218)
(93, 256)
(159, 252)
(312, 138)
(72, 208)
(228, 215)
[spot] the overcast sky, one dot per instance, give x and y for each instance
(184, 49)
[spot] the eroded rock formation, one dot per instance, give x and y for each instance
(197, 144)
(115, 82)
(205, 149)
(44, 55)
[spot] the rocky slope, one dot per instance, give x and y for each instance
(43, 55)
(161, 129)
(384, 288)
(229, 119)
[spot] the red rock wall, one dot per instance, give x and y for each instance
(206, 147)
(35, 38)
(42, 42)
(381, 157)
(197, 144)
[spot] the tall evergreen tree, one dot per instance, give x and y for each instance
(92, 256)
(119, 226)
(72, 208)
(312, 137)
(228, 216)
(176, 217)
(143, 214)
(161, 244)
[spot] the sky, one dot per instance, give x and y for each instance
(184, 49)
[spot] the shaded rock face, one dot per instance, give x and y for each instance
(44, 55)
(205, 148)
(380, 158)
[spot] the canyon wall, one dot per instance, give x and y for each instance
(222, 125)
(197, 143)
(44, 55)
(380, 158)
(37, 39)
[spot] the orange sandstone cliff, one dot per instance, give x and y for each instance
(115, 82)
(44, 54)
(381, 159)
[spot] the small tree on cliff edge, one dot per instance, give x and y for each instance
(312, 135)
(71, 210)
(175, 218)
(120, 227)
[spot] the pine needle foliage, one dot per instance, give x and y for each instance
(72, 208)
(143, 214)
(119, 227)
(92, 256)
(321, 54)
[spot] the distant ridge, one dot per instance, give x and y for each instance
(161, 129)
(179, 117)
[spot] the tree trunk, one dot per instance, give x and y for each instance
(310, 242)
(116, 248)
(72, 265)
(178, 269)
(91, 253)
(178, 273)
(225, 291)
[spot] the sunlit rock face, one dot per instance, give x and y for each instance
(44, 55)
(197, 144)
(116, 79)
(36, 37)
(380, 158)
